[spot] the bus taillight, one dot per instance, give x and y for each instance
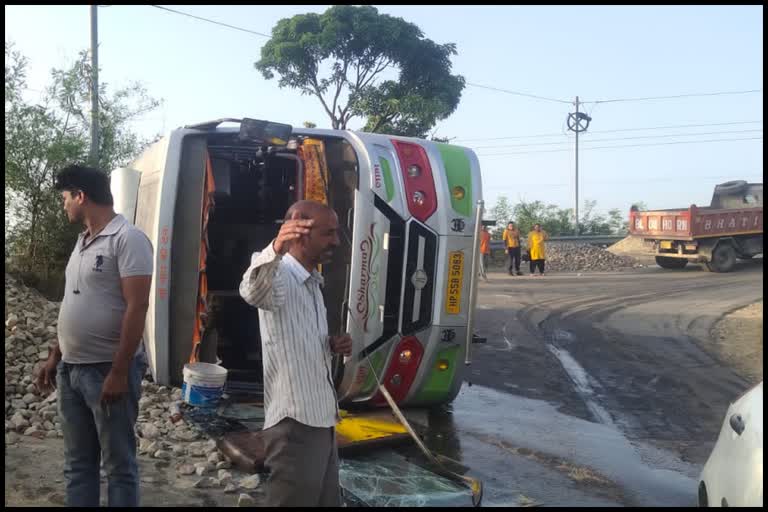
(402, 370)
(417, 174)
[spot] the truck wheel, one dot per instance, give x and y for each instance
(723, 259)
(667, 262)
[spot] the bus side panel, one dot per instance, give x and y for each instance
(159, 166)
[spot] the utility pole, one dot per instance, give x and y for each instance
(94, 156)
(578, 122)
(577, 171)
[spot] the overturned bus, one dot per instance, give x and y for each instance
(401, 282)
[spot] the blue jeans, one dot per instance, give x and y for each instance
(93, 431)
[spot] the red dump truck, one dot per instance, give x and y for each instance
(730, 227)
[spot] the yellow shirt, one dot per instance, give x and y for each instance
(511, 237)
(536, 244)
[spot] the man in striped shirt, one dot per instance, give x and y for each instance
(299, 395)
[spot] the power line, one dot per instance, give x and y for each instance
(621, 138)
(694, 95)
(612, 131)
(517, 93)
(211, 21)
(624, 146)
(507, 91)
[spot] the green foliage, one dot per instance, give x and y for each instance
(358, 44)
(40, 139)
(554, 220)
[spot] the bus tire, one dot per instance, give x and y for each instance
(723, 258)
(667, 262)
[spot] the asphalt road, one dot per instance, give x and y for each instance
(596, 388)
(592, 390)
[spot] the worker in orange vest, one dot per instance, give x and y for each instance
(485, 251)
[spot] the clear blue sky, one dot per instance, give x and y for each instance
(204, 71)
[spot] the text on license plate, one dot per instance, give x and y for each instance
(455, 279)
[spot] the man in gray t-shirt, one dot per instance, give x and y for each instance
(99, 362)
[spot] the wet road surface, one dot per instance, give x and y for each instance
(594, 389)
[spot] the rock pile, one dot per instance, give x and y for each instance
(575, 257)
(578, 257)
(30, 332)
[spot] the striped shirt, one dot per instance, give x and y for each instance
(294, 338)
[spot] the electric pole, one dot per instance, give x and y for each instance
(94, 156)
(576, 125)
(577, 171)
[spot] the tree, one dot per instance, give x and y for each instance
(359, 44)
(309, 124)
(42, 138)
(501, 213)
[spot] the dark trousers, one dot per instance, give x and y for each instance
(303, 466)
(514, 258)
(539, 264)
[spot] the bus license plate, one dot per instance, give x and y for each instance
(455, 279)
(666, 244)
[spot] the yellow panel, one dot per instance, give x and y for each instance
(312, 153)
(666, 244)
(455, 279)
(362, 428)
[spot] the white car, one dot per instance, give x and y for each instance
(733, 475)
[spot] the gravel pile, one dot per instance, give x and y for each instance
(30, 332)
(578, 257)
(575, 257)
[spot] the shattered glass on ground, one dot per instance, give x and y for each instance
(387, 479)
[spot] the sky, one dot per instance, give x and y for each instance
(204, 71)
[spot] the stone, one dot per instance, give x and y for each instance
(225, 464)
(178, 450)
(149, 431)
(186, 469)
(230, 489)
(162, 454)
(214, 458)
(245, 500)
(224, 476)
(43, 356)
(203, 468)
(205, 483)
(183, 434)
(250, 482)
(29, 398)
(144, 445)
(12, 320)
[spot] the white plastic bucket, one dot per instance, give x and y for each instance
(203, 384)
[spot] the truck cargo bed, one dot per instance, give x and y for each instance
(694, 223)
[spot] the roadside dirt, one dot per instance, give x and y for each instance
(30, 484)
(738, 341)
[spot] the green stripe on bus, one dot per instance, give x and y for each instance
(377, 360)
(438, 384)
(458, 172)
(388, 183)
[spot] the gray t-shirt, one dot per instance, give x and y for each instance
(91, 314)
